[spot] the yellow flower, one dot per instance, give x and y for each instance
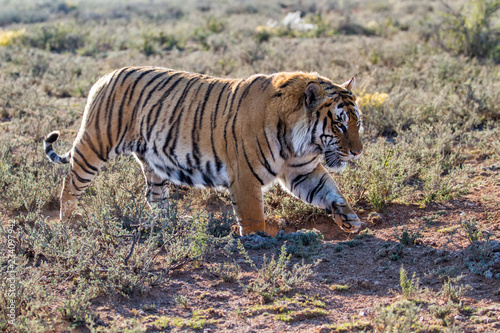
(8, 36)
(374, 100)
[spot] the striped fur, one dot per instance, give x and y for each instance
(242, 134)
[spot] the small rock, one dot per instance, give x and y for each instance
(441, 260)
(459, 317)
(362, 313)
(495, 246)
(375, 218)
(430, 242)
(100, 322)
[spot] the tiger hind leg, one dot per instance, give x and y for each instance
(157, 192)
(84, 166)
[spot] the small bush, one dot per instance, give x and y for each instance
(471, 30)
(452, 291)
(274, 277)
(303, 243)
(442, 311)
(407, 237)
(471, 230)
(77, 306)
(228, 272)
(409, 287)
(158, 43)
(399, 317)
(56, 38)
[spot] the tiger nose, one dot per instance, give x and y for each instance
(356, 152)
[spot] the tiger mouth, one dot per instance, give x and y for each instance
(335, 160)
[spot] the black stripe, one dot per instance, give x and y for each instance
(48, 150)
(302, 164)
(51, 138)
(196, 130)
(150, 82)
(235, 93)
(284, 85)
(208, 181)
(329, 115)
(232, 97)
(119, 142)
(156, 88)
(250, 166)
(208, 168)
(184, 93)
(218, 162)
(313, 132)
(111, 97)
(176, 125)
(163, 183)
(78, 188)
(299, 179)
(87, 139)
(120, 115)
(163, 83)
(193, 131)
(265, 162)
(243, 96)
(216, 111)
(98, 110)
(281, 133)
(80, 179)
(136, 82)
(159, 104)
(318, 188)
(266, 82)
(268, 145)
(130, 71)
(136, 105)
(83, 168)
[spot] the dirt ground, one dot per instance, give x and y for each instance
(369, 268)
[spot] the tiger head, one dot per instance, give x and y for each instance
(332, 122)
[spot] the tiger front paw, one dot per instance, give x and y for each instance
(345, 217)
(350, 223)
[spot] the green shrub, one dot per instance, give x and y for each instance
(274, 277)
(471, 30)
(400, 317)
(228, 272)
(56, 38)
(409, 286)
(452, 291)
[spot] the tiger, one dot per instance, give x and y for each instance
(203, 131)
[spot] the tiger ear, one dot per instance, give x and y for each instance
(312, 93)
(349, 84)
